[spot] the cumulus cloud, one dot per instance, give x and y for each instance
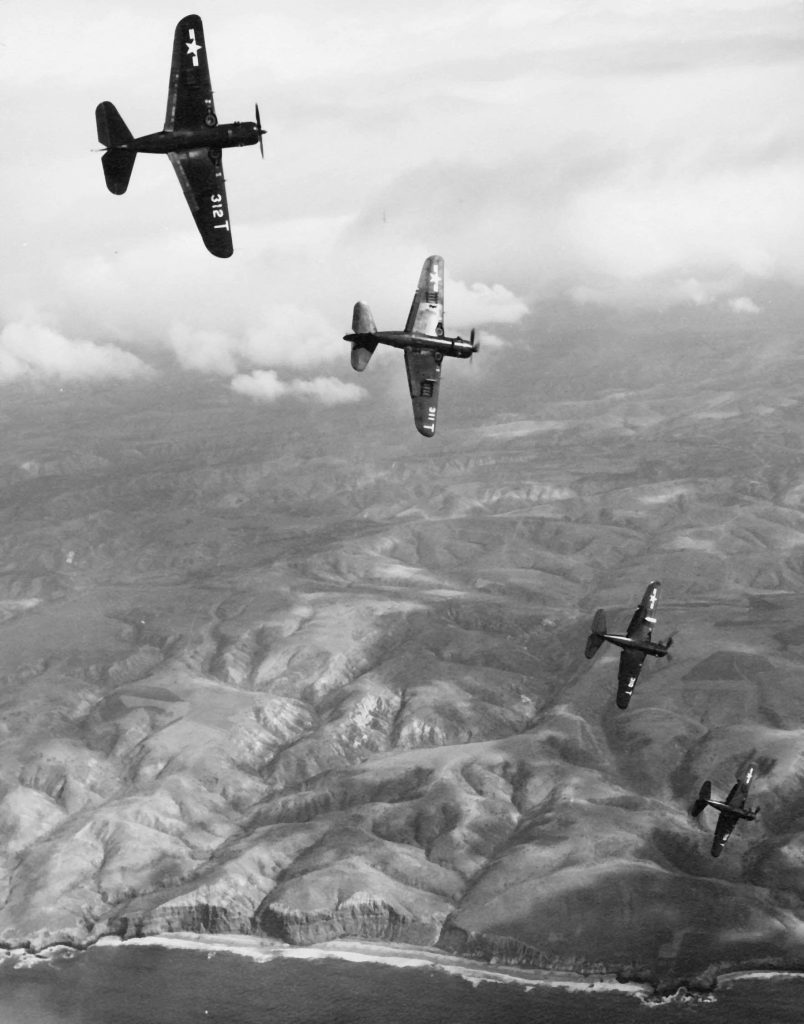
(624, 154)
(265, 386)
(199, 349)
(482, 303)
(743, 304)
(33, 350)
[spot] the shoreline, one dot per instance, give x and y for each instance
(262, 949)
(391, 955)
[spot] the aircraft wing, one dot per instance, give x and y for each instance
(723, 829)
(745, 777)
(201, 179)
(427, 310)
(189, 103)
(644, 618)
(424, 374)
(630, 666)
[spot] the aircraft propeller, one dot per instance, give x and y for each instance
(475, 344)
(259, 128)
(668, 644)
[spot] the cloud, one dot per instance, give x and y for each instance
(628, 154)
(265, 386)
(743, 305)
(33, 350)
(199, 349)
(482, 303)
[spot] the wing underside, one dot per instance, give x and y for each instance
(201, 179)
(650, 601)
(424, 374)
(426, 314)
(189, 103)
(627, 676)
(644, 618)
(723, 829)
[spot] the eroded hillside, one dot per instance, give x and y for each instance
(311, 684)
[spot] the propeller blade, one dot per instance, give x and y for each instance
(259, 128)
(475, 344)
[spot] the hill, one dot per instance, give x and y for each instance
(298, 672)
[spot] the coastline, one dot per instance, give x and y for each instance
(262, 950)
(388, 954)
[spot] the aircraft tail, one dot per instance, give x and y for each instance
(704, 796)
(596, 636)
(112, 130)
(362, 324)
(117, 167)
(113, 133)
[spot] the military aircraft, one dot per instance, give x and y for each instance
(192, 138)
(732, 809)
(636, 644)
(422, 341)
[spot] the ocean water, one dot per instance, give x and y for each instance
(155, 985)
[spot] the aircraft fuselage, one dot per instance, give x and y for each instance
(221, 136)
(414, 339)
(628, 643)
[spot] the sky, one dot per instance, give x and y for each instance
(617, 154)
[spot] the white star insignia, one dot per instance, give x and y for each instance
(193, 47)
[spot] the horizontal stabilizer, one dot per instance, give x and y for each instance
(362, 320)
(112, 130)
(117, 167)
(704, 796)
(361, 353)
(593, 645)
(596, 636)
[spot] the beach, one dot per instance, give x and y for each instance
(387, 954)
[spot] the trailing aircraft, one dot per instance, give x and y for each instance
(422, 341)
(191, 138)
(732, 809)
(636, 645)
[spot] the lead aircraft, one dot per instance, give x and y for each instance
(636, 645)
(191, 138)
(732, 809)
(422, 341)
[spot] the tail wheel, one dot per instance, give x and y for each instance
(210, 120)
